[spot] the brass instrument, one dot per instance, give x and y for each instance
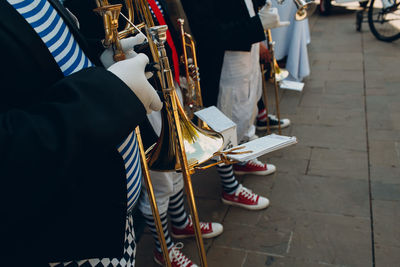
(264, 94)
(189, 59)
(280, 73)
(276, 75)
(182, 146)
(305, 8)
(198, 139)
(110, 14)
(192, 98)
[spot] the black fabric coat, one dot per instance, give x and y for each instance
(63, 184)
(219, 26)
(91, 24)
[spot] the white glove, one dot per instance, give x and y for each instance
(131, 72)
(107, 57)
(270, 18)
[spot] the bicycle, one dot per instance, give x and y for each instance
(383, 19)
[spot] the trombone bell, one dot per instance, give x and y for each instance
(305, 8)
(280, 73)
(200, 144)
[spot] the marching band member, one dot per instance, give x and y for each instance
(64, 196)
(170, 195)
(168, 186)
(228, 35)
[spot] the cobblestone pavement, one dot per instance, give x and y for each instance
(335, 199)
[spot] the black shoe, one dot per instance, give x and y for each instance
(273, 123)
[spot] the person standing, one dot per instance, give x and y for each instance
(227, 34)
(63, 117)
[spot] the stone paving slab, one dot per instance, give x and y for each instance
(386, 191)
(386, 222)
(382, 122)
(334, 101)
(347, 120)
(298, 151)
(253, 238)
(339, 163)
(332, 195)
(388, 175)
(329, 117)
(384, 153)
(254, 259)
(291, 166)
(226, 256)
(384, 134)
(352, 138)
(332, 239)
(387, 256)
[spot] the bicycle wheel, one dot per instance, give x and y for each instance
(384, 19)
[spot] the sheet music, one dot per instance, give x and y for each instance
(263, 145)
(291, 85)
(215, 119)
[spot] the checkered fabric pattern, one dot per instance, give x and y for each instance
(128, 259)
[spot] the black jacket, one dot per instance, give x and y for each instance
(63, 185)
(91, 24)
(219, 26)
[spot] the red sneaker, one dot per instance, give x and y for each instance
(254, 166)
(208, 230)
(175, 256)
(245, 198)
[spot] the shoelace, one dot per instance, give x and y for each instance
(256, 162)
(203, 225)
(246, 193)
(177, 256)
(273, 117)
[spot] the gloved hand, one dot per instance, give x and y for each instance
(107, 57)
(270, 18)
(131, 72)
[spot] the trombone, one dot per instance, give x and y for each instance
(192, 97)
(276, 75)
(110, 15)
(182, 146)
(305, 8)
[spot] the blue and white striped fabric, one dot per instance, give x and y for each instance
(129, 150)
(45, 20)
(51, 28)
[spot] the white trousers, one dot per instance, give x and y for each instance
(240, 89)
(165, 184)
